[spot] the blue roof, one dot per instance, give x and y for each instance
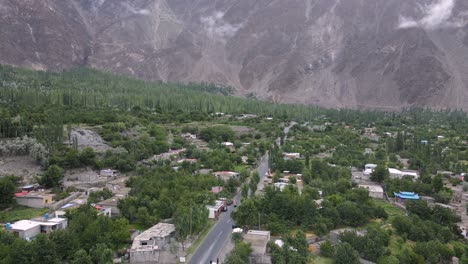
(67, 206)
(407, 195)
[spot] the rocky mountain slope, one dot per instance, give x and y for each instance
(384, 54)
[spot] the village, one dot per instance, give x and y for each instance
(104, 189)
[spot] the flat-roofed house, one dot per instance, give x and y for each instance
(226, 175)
(147, 246)
(258, 241)
(398, 174)
(35, 199)
(375, 191)
(28, 229)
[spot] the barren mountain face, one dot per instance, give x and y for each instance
(384, 54)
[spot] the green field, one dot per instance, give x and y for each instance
(20, 212)
(320, 260)
(391, 210)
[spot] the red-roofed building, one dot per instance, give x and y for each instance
(20, 194)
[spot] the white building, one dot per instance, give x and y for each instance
(108, 173)
(375, 191)
(370, 166)
(146, 246)
(28, 229)
(398, 174)
(228, 144)
(280, 185)
(368, 169)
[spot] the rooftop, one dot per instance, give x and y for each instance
(34, 194)
(372, 188)
(111, 201)
(216, 189)
(24, 225)
(161, 230)
(218, 204)
(407, 195)
(20, 194)
(226, 173)
(403, 172)
(258, 233)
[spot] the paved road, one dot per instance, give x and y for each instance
(262, 171)
(285, 131)
(219, 235)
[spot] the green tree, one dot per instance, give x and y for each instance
(87, 156)
(380, 173)
(101, 254)
(437, 183)
(388, 260)
(407, 256)
(240, 254)
(81, 257)
(245, 190)
(7, 191)
(247, 213)
(420, 208)
(327, 250)
(351, 214)
(66, 243)
(346, 254)
(44, 250)
(52, 177)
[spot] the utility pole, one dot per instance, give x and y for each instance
(258, 220)
(191, 219)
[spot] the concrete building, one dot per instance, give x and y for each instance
(216, 189)
(291, 156)
(246, 116)
(189, 136)
(229, 145)
(258, 241)
(147, 246)
(28, 229)
(368, 169)
(226, 175)
(35, 199)
(215, 210)
(108, 173)
(375, 191)
(398, 174)
(111, 204)
(370, 166)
